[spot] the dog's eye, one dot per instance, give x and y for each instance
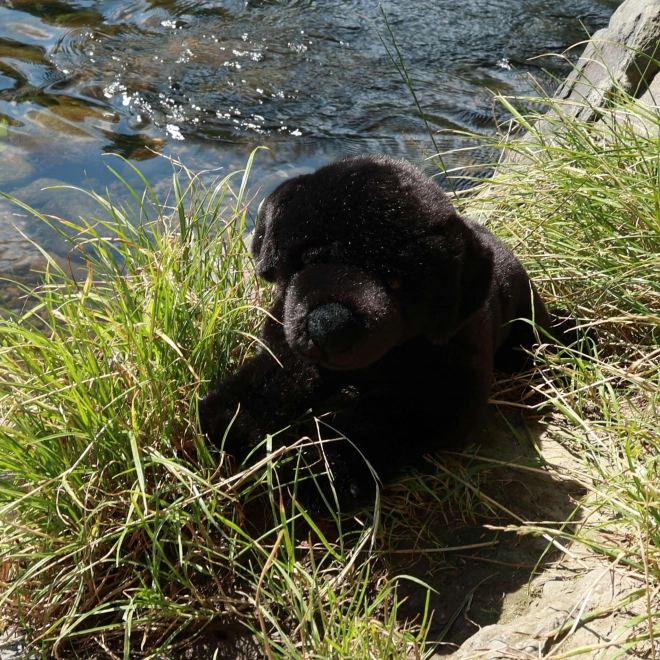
(308, 256)
(395, 285)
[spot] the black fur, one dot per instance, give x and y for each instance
(387, 301)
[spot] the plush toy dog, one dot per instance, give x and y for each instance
(390, 308)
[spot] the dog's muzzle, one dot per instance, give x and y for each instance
(332, 327)
(340, 316)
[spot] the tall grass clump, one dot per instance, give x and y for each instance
(579, 201)
(121, 533)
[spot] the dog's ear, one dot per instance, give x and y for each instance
(264, 246)
(478, 263)
(456, 281)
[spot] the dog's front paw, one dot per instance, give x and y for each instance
(227, 423)
(334, 478)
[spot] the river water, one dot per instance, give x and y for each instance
(206, 81)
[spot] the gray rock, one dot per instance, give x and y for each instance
(10, 648)
(644, 118)
(589, 585)
(14, 164)
(623, 57)
(619, 56)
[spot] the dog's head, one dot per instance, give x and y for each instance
(367, 253)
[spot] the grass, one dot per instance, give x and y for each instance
(123, 535)
(108, 497)
(580, 203)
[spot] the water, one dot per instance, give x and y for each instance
(207, 81)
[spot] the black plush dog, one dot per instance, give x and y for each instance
(390, 307)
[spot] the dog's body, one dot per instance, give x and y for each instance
(389, 306)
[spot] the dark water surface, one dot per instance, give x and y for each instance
(207, 81)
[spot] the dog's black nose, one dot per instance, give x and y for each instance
(332, 327)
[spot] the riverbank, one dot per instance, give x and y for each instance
(578, 197)
(122, 535)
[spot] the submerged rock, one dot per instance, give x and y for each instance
(13, 164)
(53, 122)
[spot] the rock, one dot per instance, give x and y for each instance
(619, 56)
(643, 119)
(10, 648)
(18, 255)
(623, 57)
(62, 127)
(52, 197)
(13, 164)
(79, 113)
(576, 587)
(23, 53)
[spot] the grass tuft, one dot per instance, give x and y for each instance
(121, 533)
(115, 517)
(579, 202)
